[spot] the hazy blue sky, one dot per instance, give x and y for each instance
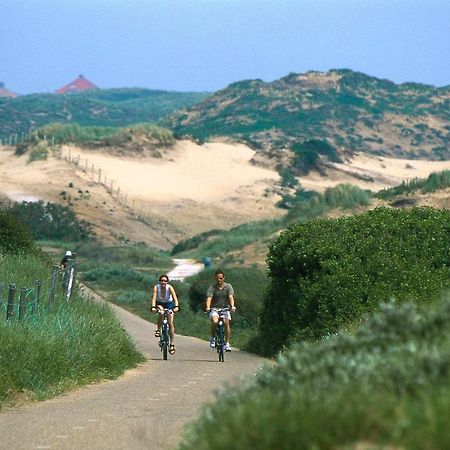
(203, 45)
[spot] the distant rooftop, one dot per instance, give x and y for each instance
(79, 84)
(5, 92)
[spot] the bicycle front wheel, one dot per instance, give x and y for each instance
(220, 344)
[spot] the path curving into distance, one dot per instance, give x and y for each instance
(146, 408)
(184, 268)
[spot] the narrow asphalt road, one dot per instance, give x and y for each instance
(146, 408)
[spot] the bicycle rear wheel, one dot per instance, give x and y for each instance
(220, 344)
(165, 342)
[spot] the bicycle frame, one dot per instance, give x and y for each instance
(220, 334)
(164, 338)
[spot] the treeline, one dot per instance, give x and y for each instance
(98, 108)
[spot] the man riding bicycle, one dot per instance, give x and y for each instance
(220, 295)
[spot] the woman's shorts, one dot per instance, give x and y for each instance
(168, 305)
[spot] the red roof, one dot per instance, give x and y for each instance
(80, 84)
(4, 92)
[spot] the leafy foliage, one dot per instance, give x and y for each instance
(387, 385)
(15, 237)
(307, 154)
(325, 274)
(50, 220)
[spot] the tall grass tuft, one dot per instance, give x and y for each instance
(434, 182)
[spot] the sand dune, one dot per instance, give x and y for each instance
(190, 189)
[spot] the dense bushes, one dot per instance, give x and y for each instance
(14, 236)
(384, 386)
(326, 273)
(50, 220)
(307, 154)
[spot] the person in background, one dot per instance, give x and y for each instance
(164, 296)
(65, 259)
(220, 295)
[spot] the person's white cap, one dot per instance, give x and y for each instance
(68, 253)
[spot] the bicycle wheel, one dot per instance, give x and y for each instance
(220, 343)
(165, 342)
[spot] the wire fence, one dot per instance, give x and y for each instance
(95, 174)
(22, 302)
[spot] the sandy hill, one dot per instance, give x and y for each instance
(349, 110)
(187, 189)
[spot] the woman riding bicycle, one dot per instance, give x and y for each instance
(165, 297)
(220, 295)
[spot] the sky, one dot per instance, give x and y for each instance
(204, 45)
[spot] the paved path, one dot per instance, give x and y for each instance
(184, 268)
(144, 409)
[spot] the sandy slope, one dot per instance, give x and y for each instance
(190, 189)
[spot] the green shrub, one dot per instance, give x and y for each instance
(325, 274)
(434, 182)
(119, 275)
(15, 237)
(38, 153)
(50, 220)
(385, 386)
(307, 154)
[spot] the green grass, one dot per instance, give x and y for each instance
(434, 182)
(60, 346)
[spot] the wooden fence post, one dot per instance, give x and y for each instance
(54, 280)
(100, 176)
(37, 294)
(10, 307)
(22, 303)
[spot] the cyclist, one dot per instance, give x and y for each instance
(65, 259)
(220, 295)
(164, 296)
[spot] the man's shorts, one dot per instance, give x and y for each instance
(214, 313)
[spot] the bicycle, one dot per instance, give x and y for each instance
(164, 337)
(220, 334)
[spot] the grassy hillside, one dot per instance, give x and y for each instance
(50, 344)
(346, 110)
(103, 107)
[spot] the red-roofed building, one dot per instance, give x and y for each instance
(80, 84)
(4, 92)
